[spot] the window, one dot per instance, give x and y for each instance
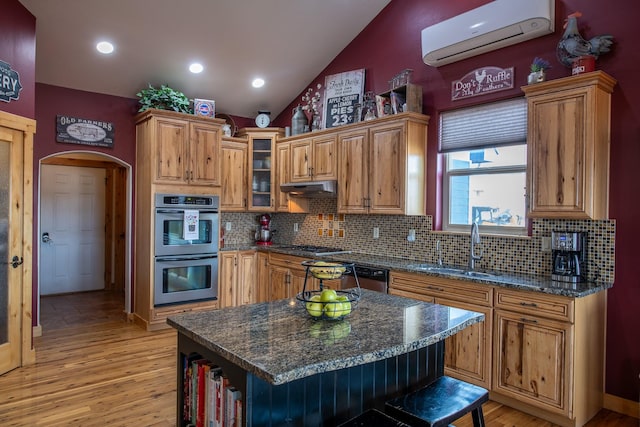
(484, 176)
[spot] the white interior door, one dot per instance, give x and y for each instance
(72, 233)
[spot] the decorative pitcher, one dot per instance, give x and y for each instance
(299, 121)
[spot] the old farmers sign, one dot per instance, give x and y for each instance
(75, 130)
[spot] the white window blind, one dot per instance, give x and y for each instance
(487, 125)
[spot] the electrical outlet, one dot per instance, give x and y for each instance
(296, 227)
(227, 226)
(412, 236)
(546, 244)
(376, 232)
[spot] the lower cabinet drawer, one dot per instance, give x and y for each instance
(536, 304)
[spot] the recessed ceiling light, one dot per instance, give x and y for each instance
(104, 47)
(196, 68)
(257, 82)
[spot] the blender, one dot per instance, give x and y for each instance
(263, 233)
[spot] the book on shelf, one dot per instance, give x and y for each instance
(232, 396)
(209, 400)
(210, 415)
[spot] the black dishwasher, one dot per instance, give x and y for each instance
(372, 278)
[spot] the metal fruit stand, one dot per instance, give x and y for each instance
(347, 299)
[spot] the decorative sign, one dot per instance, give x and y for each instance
(342, 93)
(481, 82)
(10, 86)
(75, 130)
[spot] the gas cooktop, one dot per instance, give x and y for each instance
(317, 250)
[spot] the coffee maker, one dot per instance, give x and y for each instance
(569, 254)
(263, 232)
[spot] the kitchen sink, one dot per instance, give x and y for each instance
(451, 270)
(436, 268)
(477, 274)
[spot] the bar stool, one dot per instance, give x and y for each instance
(438, 404)
(373, 417)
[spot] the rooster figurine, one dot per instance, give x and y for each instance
(572, 45)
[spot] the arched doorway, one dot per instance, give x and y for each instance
(117, 216)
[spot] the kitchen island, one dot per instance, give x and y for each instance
(294, 370)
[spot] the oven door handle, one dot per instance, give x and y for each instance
(191, 258)
(181, 211)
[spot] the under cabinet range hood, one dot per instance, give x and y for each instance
(312, 189)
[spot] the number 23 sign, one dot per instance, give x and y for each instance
(342, 93)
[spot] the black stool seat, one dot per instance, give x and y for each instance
(438, 404)
(373, 418)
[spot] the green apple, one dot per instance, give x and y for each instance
(328, 295)
(315, 308)
(346, 305)
(333, 309)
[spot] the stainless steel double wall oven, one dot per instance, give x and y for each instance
(186, 266)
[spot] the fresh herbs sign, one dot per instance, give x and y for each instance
(10, 86)
(343, 92)
(75, 130)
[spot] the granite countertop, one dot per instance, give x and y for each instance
(526, 282)
(279, 342)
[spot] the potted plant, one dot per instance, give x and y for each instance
(538, 70)
(163, 98)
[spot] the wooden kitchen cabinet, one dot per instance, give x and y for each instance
(176, 153)
(233, 194)
(568, 146)
(381, 166)
(314, 158)
(549, 354)
(283, 201)
(262, 280)
(237, 278)
(467, 353)
(262, 164)
(181, 148)
(286, 275)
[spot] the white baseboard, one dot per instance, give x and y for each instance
(621, 406)
(37, 331)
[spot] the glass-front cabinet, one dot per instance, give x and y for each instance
(262, 177)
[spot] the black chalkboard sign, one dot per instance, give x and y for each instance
(343, 92)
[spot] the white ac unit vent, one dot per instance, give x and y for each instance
(492, 26)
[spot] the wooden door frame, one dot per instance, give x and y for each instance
(28, 128)
(118, 196)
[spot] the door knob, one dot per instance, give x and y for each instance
(46, 238)
(15, 261)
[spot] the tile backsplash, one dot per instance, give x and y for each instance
(323, 226)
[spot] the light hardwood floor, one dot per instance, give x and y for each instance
(95, 369)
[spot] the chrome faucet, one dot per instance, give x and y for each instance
(475, 239)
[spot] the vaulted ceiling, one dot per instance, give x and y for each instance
(285, 42)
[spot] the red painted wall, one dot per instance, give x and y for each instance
(392, 43)
(53, 101)
(18, 49)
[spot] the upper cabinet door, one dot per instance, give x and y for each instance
(568, 147)
(204, 154)
(387, 169)
(353, 149)
(301, 155)
(233, 194)
(324, 158)
(171, 141)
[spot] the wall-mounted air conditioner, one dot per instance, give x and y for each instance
(492, 26)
